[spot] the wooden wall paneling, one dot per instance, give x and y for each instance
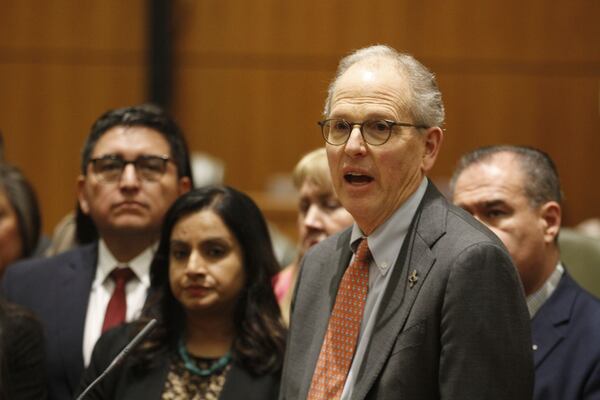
(511, 30)
(62, 64)
(258, 122)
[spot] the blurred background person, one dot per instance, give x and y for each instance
(22, 362)
(219, 333)
(516, 192)
(20, 222)
(320, 215)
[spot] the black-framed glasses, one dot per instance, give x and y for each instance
(374, 132)
(109, 168)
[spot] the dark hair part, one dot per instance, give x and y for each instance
(260, 334)
(22, 198)
(143, 115)
(541, 181)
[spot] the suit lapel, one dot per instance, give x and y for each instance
(415, 259)
(72, 300)
(550, 324)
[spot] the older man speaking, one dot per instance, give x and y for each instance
(417, 300)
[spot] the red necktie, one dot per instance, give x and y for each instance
(117, 305)
(341, 337)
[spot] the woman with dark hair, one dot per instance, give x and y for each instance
(20, 221)
(219, 333)
(22, 362)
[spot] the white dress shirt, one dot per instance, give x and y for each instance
(385, 244)
(102, 289)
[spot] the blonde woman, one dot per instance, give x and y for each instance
(320, 215)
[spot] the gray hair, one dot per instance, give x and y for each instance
(426, 105)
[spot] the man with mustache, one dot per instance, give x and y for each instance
(430, 306)
(134, 165)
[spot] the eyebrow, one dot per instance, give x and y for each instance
(492, 203)
(204, 240)
(481, 204)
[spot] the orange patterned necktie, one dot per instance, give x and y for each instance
(341, 337)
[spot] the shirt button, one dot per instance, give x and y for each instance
(534, 347)
(384, 265)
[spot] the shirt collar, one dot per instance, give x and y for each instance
(383, 241)
(536, 300)
(140, 265)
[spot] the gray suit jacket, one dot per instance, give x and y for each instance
(460, 332)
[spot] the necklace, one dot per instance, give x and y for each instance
(191, 366)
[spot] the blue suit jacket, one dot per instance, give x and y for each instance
(57, 290)
(566, 332)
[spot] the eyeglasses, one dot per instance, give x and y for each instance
(148, 167)
(337, 131)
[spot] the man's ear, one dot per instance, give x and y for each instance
(550, 214)
(81, 196)
(433, 141)
(185, 185)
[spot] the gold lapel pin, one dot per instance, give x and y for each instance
(413, 278)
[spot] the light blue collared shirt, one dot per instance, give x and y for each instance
(385, 244)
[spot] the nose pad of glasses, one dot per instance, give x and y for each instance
(356, 131)
(129, 173)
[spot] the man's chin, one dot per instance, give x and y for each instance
(132, 225)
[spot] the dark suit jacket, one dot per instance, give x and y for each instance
(124, 384)
(566, 332)
(461, 332)
(57, 290)
(23, 375)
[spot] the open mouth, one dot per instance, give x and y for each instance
(357, 179)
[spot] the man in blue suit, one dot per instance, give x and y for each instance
(516, 192)
(134, 165)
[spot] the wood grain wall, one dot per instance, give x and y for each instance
(250, 79)
(63, 63)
